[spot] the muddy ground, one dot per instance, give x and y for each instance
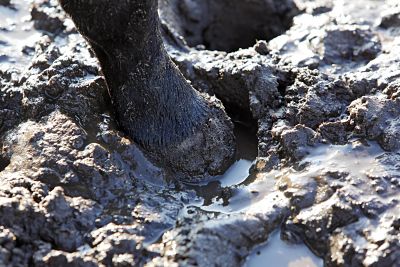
(319, 80)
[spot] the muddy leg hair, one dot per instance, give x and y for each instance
(154, 104)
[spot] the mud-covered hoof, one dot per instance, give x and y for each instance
(209, 151)
(183, 132)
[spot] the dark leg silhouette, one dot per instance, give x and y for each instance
(182, 130)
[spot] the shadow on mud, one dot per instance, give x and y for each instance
(4, 162)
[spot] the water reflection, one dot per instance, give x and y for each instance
(277, 253)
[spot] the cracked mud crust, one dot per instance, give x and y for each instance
(74, 191)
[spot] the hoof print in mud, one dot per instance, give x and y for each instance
(227, 25)
(204, 134)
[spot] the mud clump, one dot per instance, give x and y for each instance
(376, 118)
(47, 17)
(391, 19)
(324, 96)
(348, 44)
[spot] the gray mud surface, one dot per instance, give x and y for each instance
(320, 80)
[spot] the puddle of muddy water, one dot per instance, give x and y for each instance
(357, 159)
(246, 154)
(237, 173)
(277, 253)
(220, 193)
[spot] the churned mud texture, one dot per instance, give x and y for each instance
(322, 86)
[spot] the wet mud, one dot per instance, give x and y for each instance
(315, 94)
